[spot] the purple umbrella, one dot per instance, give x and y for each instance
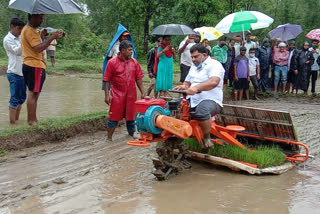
(285, 32)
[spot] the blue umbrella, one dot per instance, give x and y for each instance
(285, 32)
(46, 6)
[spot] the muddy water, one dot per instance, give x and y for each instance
(87, 175)
(61, 96)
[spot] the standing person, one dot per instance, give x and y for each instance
(125, 73)
(249, 44)
(219, 52)
(205, 76)
(185, 56)
(151, 61)
(230, 61)
(165, 57)
(292, 66)
(304, 62)
(113, 50)
(33, 67)
(238, 44)
(281, 56)
(254, 71)
(241, 75)
(315, 67)
(205, 43)
(264, 55)
(51, 52)
(12, 45)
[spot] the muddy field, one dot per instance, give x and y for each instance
(87, 175)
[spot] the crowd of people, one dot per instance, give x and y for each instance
(274, 66)
(204, 71)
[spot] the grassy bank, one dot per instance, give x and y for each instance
(50, 131)
(52, 124)
(263, 156)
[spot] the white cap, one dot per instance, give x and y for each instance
(282, 44)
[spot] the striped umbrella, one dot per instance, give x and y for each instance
(244, 21)
(314, 34)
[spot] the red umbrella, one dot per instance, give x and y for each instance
(314, 34)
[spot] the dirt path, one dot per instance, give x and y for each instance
(87, 175)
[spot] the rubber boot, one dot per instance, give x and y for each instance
(110, 133)
(12, 115)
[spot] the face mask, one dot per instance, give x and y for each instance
(267, 45)
(199, 66)
(251, 55)
(314, 47)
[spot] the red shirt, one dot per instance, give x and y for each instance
(123, 75)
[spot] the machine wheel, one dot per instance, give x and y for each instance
(170, 162)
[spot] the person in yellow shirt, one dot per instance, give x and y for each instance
(33, 67)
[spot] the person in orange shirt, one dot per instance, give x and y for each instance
(33, 67)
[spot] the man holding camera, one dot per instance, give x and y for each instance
(184, 50)
(33, 67)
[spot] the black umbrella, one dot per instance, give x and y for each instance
(172, 29)
(46, 6)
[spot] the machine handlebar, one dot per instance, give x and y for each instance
(180, 91)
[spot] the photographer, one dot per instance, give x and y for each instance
(33, 67)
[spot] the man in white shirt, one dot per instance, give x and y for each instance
(12, 45)
(254, 71)
(249, 44)
(205, 76)
(185, 56)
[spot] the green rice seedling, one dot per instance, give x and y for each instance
(262, 156)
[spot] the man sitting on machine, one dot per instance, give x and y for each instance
(205, 76)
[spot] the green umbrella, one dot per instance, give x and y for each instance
(244, 21)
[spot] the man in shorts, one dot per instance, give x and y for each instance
(33, 67)
(254, 71)
(205, 76)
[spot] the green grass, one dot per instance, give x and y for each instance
(3, 153)
(53, 124)
(262, 156)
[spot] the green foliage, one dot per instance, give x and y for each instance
(89, 35)
(263, 156)
(3, 153)
(53, 124)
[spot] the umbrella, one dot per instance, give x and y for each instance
(209, 33)
(46, 6)
(244, 21)
(172, 29)
(314, 34)
(285, 32)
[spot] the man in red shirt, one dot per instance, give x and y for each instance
(124, 72)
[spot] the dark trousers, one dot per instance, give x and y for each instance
(184, 72)
(314, 77)
(264, 81)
